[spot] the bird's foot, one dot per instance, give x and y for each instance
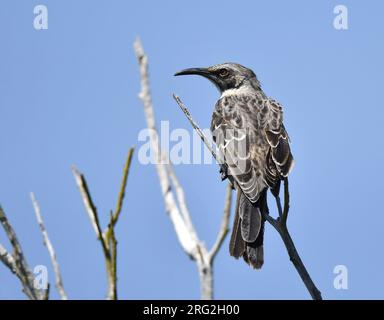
(223, 172)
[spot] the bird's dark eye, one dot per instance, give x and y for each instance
(223, 73)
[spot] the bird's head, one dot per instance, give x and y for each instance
(225, 76)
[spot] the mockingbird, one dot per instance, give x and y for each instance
(248, 128)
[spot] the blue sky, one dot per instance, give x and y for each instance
(69, 96)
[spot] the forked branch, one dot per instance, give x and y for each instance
(107, 238)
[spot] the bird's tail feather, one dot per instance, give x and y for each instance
(248, 232)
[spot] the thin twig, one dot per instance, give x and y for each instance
(218, 157)
(279, 225)
(90, 207)
(286, 202)
(51, 250)
(224, 224)
(120, 199)
(198, 130)
(278, 204)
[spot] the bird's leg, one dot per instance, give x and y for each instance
(224, 175)
(223, 171)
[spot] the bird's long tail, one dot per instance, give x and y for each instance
(248, 231)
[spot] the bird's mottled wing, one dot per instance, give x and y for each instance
(279, 158)
(237, 132)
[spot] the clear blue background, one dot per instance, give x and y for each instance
(68, 95)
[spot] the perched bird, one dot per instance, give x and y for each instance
(247, 127)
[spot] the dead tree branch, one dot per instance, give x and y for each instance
(107, 238)
(51, 250)
(17, 262)
(173, 193)
(224, 224)
(8, 260)
(280, 224)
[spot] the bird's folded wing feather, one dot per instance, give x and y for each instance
(236, 134)
(279, 158)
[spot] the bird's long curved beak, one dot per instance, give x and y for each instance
(197, 71)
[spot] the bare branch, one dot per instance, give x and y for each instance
(281, 226)
(90, 208)
(183, 108)
(112, 264)
(187, 241)
(51, 250)
(17, 262)
(109, 233)
(107, 238)
(121, 196)
(278, 204)
(8, 260)
(87, 200)
(218, 157)
(286, 202)
(224, 224)
(174, 198)
(180, 195)
(278, 224)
